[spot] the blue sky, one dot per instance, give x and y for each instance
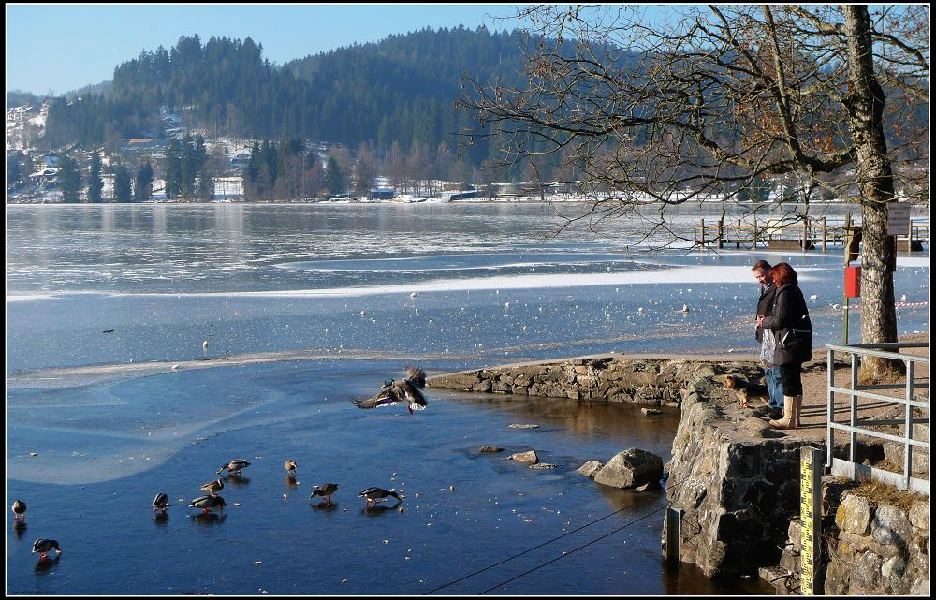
(61, 48)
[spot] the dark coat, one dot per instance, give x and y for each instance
(791, 325)
(764, 307)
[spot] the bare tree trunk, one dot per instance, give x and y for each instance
(865, 104)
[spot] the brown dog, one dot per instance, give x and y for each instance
(746, 390)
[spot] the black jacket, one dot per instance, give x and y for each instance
(791, 325)
(764, 307)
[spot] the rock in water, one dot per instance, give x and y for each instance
(590, 468)
(528, 456)
(630, 469)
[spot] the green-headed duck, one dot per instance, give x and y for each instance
(396, 392)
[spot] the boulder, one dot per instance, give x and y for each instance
(590, 468)
(630, 469)
(854, 515)
(490, 449)
(528, 456)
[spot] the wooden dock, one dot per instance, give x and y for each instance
(803, 233)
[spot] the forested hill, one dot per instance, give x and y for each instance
(401, 89)
(404, 87)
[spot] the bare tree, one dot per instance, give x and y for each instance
(715, 98)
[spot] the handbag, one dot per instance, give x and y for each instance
(768, 345)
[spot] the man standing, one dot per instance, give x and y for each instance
(774, 408)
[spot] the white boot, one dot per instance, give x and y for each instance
(791, 410)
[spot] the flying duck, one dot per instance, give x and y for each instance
(395, 392)
(44, 546)
(325, 490)
(290, 466)
(375, 494)
(206, 503)
(19, 510)
(161, 503)
(234, 467)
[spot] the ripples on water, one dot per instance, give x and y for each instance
(365, 291)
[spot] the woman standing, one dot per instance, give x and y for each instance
(793, 331)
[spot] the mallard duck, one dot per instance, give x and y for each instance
(290, 466)
(212, 487)
(234, 467)
(375, 494)
(325, 490)
(206, 503)
(19, 510)
(161, 502)
(395, 392)
(44, 546)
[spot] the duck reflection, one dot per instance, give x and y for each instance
(19, 529)
(43, 566)
(161, 519)
(209, 519)
(379, 509)
(291, 482)
(324, 507)
(236, 480)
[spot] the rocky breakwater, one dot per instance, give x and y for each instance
(605, 378)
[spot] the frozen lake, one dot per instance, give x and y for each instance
(102, 302)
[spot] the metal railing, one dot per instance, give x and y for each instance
(851, 467)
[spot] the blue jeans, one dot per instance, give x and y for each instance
(774, 387)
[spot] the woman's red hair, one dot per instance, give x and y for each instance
(782, 274)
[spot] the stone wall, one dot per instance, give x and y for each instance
(881, 547)
(598, 379)
(736, 483)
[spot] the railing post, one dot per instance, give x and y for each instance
(703, 234)
(908, 432)
(825, 234)
(754, 244)
(721, 233)
(830, 404)
(853, 435)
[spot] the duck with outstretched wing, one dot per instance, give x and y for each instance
(407, 391)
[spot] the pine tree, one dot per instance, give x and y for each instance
(122, 191)
(144, 182)
(205, 185)
(334, 177)
(95, 182)
(250, 173)
(174, 170)
(69, 179)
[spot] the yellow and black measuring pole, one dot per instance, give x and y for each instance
(811, 468)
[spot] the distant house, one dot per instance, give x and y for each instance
(141, 144)
(382, 193)
(45, 178)
(240, 159)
